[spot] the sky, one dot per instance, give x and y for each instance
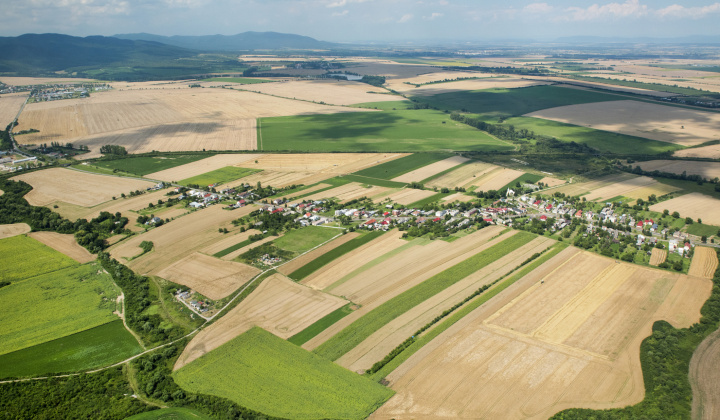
(368, 20)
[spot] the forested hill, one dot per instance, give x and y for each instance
(240, 42)
(37, 53)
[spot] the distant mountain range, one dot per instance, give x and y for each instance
(32, 53)
(241, 42)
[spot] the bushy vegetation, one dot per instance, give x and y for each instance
(112, 149)
(268, 374)
(333, 254)
(95, 347)
(253, 255)
(359, 330)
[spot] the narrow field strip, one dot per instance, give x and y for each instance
(320, 325)
(463, 311)
(328, 257)
(361, 329)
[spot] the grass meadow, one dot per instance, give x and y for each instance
(385, 131)
(173, 413)
(53, 305)
(219, 176)
(95, 347)
(266, 373)
(355, 333)
(305, 239)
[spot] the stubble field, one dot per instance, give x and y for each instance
(537, 348)
(430, 170)
(8, 231)
(10, 105)
(693, 205)
(65, 244)
(704, 262)
(327, 91)
(708, 170)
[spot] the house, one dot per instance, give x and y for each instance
(543, 218)
(155, 220)
(196, 205)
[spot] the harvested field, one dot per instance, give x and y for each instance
(463, 198)
(552, 182)
(65, 244)
(675, 125)
(300, 261)
(214, 119)
(348, 192)
(536, 349)
(279, 179)
(238, 252)
(409, 195)
(10, 106)
(203, 166)
(638, 187)
(704, 379)
(431, 169)
(228, 241)
(15, 229)
(278, 305)
(712, 152)
(467, 85)
(704, 262)
(693, 205)
(326, 276)
(176, 240)
(209, 276)
(463, 176)
(708, 170)
(328, 91)
(27, 81)
(370, 285)
(658, 256)
(384, 340)
(580, 188)
(496, 179)
(75, 187)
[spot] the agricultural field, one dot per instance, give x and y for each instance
(305, 239)
(218, 176)
(707, 170)
(143, 165)
(94, 347)
(555, 339)
(163, 118)
(704, 378)
(636, 187)
(484, 83)
(304, 259)
(209, 276)
(15, 229)
(669, 124)
(278, 305)
(65, 244)
(382, 131)
(55, 304)
(175, 413)
(348, 192)
(431, 170)
(10, 105)
(326, 91)
(75, 187)
(176, 240)
(463, 176)
(23, 257)
(403, 165)
(407, 196)
(658, 256)
(704, 262)
(505, 102)
(268, 374)
(238, 80)
(693, 205)
(709, 152)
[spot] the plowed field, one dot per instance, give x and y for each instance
(65, 244)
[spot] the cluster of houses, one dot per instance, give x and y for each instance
(269, 260)
(186, 296)
(13, 163)
(308, 212)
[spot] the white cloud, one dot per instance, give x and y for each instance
(538, 8)
(434, 16)
(678, 11)
(444, 2)
(405, 18)
(343, 3)
(631, 8)
(343, 13)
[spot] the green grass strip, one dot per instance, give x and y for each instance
(425, 201)
(374, 181)
(230, 249)
(331, 255)
(320, 325)
(361, 329)
(526, 178)
(462, 312)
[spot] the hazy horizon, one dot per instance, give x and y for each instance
(369, 20)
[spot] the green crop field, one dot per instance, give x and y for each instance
(331, 255)
(222, 175)
(305, 239)
(525, 178)
(397, 167)
(425, 201)
(53, 305)
(385, 106)
(22, 257)
(385, 131)
(319, 326)
(361, 329)
(265, 373)
(239, 80)
(174, 413)
(99, 346)
(501, 102)
(603, 141)
(701, 229)
(233, 248)
(373, 181)
(143, 165)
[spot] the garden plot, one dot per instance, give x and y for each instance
(675, 125)
(658, 256)
(278, 305)
(566, 335)
(75, 187)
